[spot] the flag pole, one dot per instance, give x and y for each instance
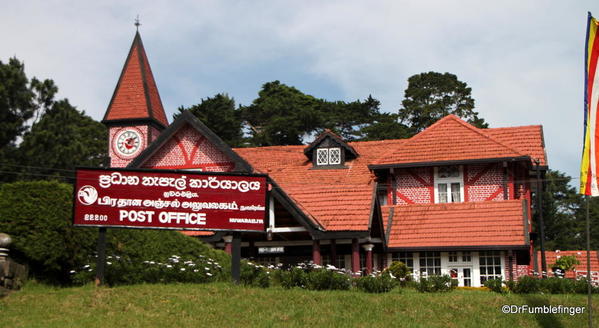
(589, 277)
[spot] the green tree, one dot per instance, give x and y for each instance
(566, 263)
(21, 102)
(353, 120)
(63, 138)
(561, 213)
(219, 115)
(385, 126)
(281, 115)
(431, 96)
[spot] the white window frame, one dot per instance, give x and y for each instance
(328, 151)
(459, 179)
(319, 151)
(338, 149)
(486, 275)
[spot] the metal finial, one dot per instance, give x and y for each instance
(137, 23)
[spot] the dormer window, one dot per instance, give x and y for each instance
(328, 156)
(329, 151)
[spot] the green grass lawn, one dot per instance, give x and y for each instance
(226, 305)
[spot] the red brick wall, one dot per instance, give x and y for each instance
(189, 149)
(484, 182)
(415, 186)
(517, 270)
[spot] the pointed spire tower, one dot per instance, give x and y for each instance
(135, 116)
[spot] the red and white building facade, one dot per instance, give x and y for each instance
(453, 199)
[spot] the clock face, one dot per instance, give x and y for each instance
(127, 142)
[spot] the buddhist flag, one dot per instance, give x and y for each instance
(590, 156)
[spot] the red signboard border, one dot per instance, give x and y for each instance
(186, 171)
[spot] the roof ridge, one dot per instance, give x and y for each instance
(514, 127)
(418, 135)
(466, 125)
(482, 133)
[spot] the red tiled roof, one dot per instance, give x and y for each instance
(499, 223)
(581, 256)
(136, 95)
(338, 199)
(451, 139)
(527, 139)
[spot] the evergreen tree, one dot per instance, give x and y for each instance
(281, 115)
(21, 102)
(385, 126)
(219, 115)
(561, 210)
(431, 96)
(63, 139)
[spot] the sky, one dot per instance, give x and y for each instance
(524, 60)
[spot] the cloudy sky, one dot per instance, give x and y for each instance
(523, 59)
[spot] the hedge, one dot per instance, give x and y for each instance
(38, 216)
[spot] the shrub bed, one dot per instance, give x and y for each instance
(382, 283)
(314, 277)
(436, 284)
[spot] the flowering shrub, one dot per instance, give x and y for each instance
(436, 284)
(255, 275)
(315, 277)
(377, 283)
(400, 271)
(121, 270)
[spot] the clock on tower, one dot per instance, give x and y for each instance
(135, 116)
(128, 142)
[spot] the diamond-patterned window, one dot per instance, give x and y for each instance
(334, 156)
(322, 156)
(328, 156)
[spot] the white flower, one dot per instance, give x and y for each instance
(207, 269)
(72, 271)
(152, 262)
(195, 270)
(109, 263)
(169, 266)
(209, 274)
(86, 266)
(182, 269)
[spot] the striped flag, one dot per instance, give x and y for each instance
(590, 156)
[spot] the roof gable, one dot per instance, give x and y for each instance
(182, 140)
(527, 139)
(449, 139)
(328, 138)
(136, 96)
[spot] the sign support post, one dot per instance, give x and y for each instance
(589, 276)
(101, 260)
(236, 258)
